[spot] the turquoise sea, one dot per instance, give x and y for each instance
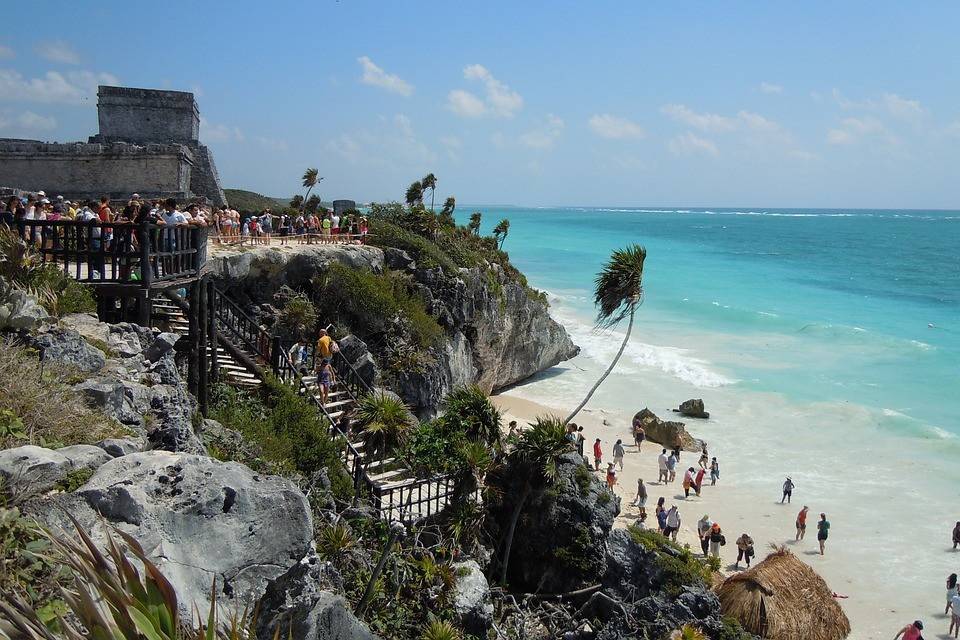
(826, 345)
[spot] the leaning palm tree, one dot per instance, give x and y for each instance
(385, 421)
(618, 292)
(414, 193)
(474, 224)
(446, 213)
(429, 182)
(500, 232)
(535, 455)
(310, 179)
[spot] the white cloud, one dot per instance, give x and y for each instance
(75, 87)
(6, 53)
(614, 127)
(463, 103)
(211, 132)
(690, 144)
(544, 136)
(902, 107)
(756, 122)
(377, 77)
(393, 144)
(57, 51)
(25, 124)
(501, 100)
(851, 130)
(704, 121)
(769, 87)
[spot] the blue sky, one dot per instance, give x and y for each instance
(814, 104)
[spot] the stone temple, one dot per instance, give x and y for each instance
(148, 144)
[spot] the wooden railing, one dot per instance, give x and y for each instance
(118, 252)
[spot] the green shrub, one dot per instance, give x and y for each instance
(74, 480)
(469, 410)
(387, 234)
(679, 566)
(732, 630)
(27, 569)
(433, 448)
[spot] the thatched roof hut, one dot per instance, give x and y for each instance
(782, 598)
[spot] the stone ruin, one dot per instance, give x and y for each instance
(148, 144)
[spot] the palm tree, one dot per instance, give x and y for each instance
(414, 193)
(468, 409)
(474, 225)
(385, 421)
(446, 213)
(500, 232)
(310, 179)
(429, 182)
(618, 292)
(535, 454)
(312, 203)
(296, 202)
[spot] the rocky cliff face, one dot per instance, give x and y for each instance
(498, 331)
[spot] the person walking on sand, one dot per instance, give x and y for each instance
(639, 434)
(717, 540)
(704, 525)
(802, 523)
(672, 466)
(662, 463)
(910, 632)
(597, 455)
(698, 481)
(687, 482)
(641, 499)
(787, 490)
(954, 616)
(704, 457)
(611, 476)
(956, 536)
(714, 471)
(951, 591)
(677, 445)
(823, 531)
(673, 523)
(744, 550)
(618, 453)
(661, 513)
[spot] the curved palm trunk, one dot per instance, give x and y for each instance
(596, 385)
(303, 204)
(432, 189)
(514, 518)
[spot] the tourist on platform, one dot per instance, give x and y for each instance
(744, 550)
(334, 225)
(581, 442)
(326, 226)
(618, 453)
(363, 229)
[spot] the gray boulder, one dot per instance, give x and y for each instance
(357, 354)
(20, 310)
(30, 469)
(399, 260)
(198, 519)
(160, 346)
(117, 447)
(68, 347)
(692, 408)
(471, 599)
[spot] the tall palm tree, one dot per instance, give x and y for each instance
(429, 182)
(500, 232)
(474, 225)
(385, 421)
(414, 193)
(618, 291)
(310, 179)
(535, 455)
(446, 213)
(296, 202)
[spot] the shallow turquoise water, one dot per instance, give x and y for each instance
(819, 305)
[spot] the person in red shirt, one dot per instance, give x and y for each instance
(597, 455)
(802, 523)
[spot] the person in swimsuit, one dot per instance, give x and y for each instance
(910, 632)
(823, 530)
(802, 523)
(787, 490)
(326, 380)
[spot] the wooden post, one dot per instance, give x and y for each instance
(275, 355)
(193, 316)
(213, 341)
(203, 383)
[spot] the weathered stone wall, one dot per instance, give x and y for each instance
(84, 170)
(204, 179)
(342, 206)
(147, 115)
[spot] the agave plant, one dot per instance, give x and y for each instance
(334, 540)
(440, 630)
(385, 421)
(470, 410)
(688, 632)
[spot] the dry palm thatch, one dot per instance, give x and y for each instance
(783, 598)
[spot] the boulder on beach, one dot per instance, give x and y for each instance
(665, 433)
(692, 408)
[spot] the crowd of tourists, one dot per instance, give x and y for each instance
(305, 227)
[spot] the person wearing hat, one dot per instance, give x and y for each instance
(787, 490)
(704, 525)
(911, 631)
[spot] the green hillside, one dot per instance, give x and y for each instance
(243, 200)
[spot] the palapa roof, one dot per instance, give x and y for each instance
(782, 598)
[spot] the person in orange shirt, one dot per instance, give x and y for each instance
(802, 522)
(324, 347)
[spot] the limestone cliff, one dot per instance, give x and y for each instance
(498, 332)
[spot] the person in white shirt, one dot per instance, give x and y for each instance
(664, 472)
(334, 224)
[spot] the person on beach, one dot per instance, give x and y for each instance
(581, 439)
(714, 471)
(956, 536)
(802, 523)
(618, 453)
(911, 631)
(639, 434)
(641, 499)
(954, 615)
(597, 455)
(704, 526)
(744, 550)
(687, 482)
(717, 540)
(677, 445)
(673, 523)
(611, 476)
(698, 480)
(787, 490)
(823, 531)
(662, 463)
(672, 466)
(951, 591)
(704, 457)
(661, 514)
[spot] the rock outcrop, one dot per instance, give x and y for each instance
(692, 408)
(29, 469)
(19, 310)
(198, 518)
(666, 433)
(472, 602)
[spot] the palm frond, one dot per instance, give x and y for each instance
(619, 285)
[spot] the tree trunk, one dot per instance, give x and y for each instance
(626, 338)
(514, 518)
(432, 189)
